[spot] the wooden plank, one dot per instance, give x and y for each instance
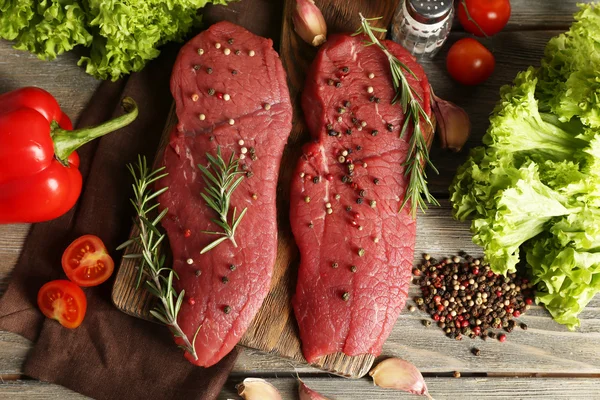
(13, 351)
(441, 388)
(12, 238)
(337, 389)
(67, 82)
(539, 14)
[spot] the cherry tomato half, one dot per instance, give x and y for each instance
(63, 301)
(491, 16)
(87, 262)
(469, 62)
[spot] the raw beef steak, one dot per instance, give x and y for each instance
(230, 91)
(356, 249)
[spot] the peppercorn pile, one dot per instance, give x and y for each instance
(466, 298)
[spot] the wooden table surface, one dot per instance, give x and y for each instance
(547, 361)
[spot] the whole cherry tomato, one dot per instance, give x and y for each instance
(483, 17)
(469, 62)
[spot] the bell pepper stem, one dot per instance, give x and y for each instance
(66, 142)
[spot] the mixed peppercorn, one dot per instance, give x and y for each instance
(465, 298)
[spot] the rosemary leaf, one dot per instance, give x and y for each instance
(133, 256)
(125, 244)
(159, 279)
(159, 317)
(221, 180)
(417, 158)
(214, 244)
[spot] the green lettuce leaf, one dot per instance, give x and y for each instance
(46, 28)
(566, 279)
(518, 126)
(519, 213)
(535, 186)
(122, 35)
(570, 83)
(14, 16)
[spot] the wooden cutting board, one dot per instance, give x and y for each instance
(274, 329)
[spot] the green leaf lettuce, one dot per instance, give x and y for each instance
(122, 35)
(535, 186)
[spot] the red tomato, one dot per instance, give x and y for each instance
(86, 261)
(491, 16)
(469, 62)
(63, 301)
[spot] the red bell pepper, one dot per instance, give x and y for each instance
(39, 175)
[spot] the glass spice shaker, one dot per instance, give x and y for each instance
(422, 26)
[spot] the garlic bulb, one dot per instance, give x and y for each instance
(309, 22)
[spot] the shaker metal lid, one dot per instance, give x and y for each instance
(429, 11)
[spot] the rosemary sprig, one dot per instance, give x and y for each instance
(221, 181)
(158, 278)
(418, 154)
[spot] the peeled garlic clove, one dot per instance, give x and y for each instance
(395, 373)
(453, 123)
(257, 389)
(309, 22)
(307, 393)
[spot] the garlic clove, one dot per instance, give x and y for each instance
(395, 373)
(307, 393)
(257, 389)
(453, 123)
(309, 22)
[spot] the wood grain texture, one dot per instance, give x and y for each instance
(338, 389)
(540, 14)
(556, 350)
(441, 389)
(67, 82)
